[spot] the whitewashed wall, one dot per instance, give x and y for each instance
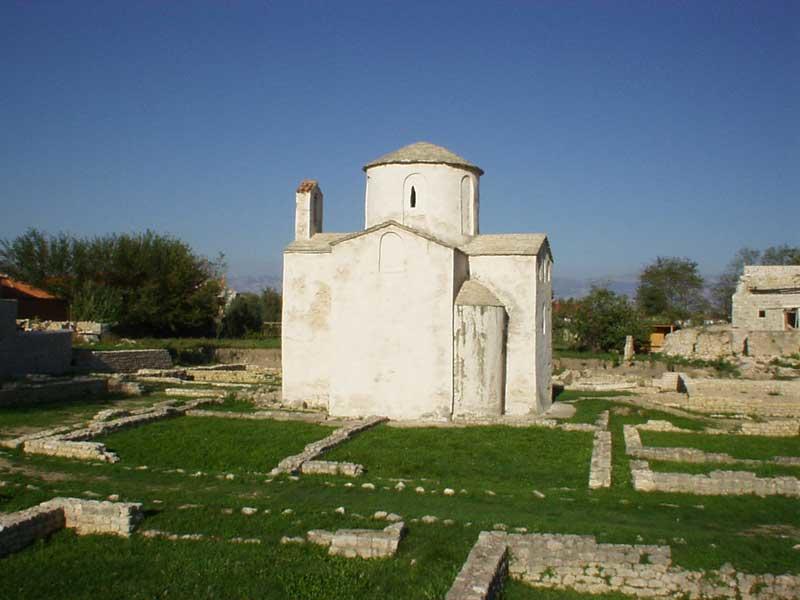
(306, 328)
(392, 345)
(479, 368)
(513, 280)
(439, 201)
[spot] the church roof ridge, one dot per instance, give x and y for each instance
(424, 152)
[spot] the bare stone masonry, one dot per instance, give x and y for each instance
(293, 464)
(74, 443)
(481, 577)
(24, 527)
(600, 469)
(364, 543)
(578, 562)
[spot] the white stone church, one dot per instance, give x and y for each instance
(418, 316)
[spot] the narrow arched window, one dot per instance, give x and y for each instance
(413, 197)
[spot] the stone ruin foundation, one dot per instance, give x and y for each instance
(22, 528)
(580, 563)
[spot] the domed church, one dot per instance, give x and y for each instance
(418, 316)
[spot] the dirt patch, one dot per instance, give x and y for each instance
(8, 466)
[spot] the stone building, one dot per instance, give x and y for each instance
(418, 316)
(21, 353)
(768, 299)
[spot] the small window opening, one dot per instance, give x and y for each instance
(792, 318)
(413, 197)
(762, 314)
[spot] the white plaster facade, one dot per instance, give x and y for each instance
(418, 316)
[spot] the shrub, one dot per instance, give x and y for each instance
(244, 316)
(604, 318)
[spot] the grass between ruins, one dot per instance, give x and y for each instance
(511, 463)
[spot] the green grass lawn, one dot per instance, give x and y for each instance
(469, 457)
(42, 416)
(738, 446)
(703, 532)
(203, 443)
(767, 470)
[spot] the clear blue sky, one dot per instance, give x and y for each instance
(623, 130)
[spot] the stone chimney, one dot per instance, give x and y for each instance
(308, 210)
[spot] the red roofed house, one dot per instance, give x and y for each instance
(32, 302)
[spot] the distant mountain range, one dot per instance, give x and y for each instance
(568, 287)
(564, 287)
(254, 283)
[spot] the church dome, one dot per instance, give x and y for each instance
(424, 152)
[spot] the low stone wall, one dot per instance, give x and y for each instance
(121, 361)
(716, 483)
(773, 343)
(329, 467)
(261, 357)
(637, 368)
(482, 576)
(92, 517)
(293, 464)
(578, 562)
(74, 443)
(724, 341)
(22, 528)
(757, 397)
(364, 543)
(706, 343)
(36, 352)
(79, 388)
(776, 428)
(8, 318)
(260, 415)
(600, 469)
(55, 446)
(634, 446)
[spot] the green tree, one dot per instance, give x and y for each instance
(725, 286)
(672, 289)
(244, 316)
(154, 284)
(603, 319)
(272, 302)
